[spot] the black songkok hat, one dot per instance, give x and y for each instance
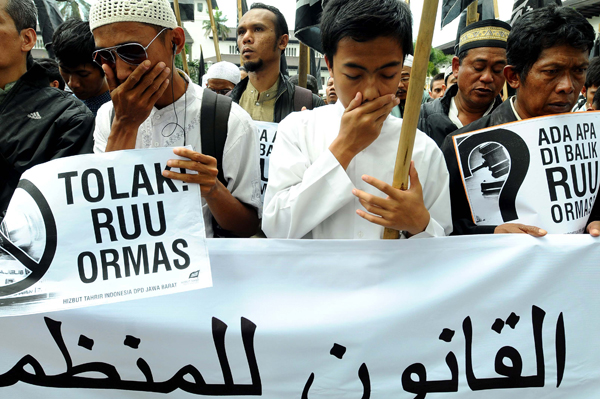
(486, 33)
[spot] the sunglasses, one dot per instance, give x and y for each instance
(131, 53)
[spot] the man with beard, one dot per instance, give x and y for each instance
(478, 68)
(547, 54)
(266, 94)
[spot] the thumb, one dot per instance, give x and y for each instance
(533, 231)
(110, 77)
(355, 103)
(415, 183)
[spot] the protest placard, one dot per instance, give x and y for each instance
(451, 318)
(541, 172)
(267, 133)
(92, 229)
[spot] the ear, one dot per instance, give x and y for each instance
(28, 38)
(178, 39)
(283, 42)
(512, 77)
(583, 91)
(329, 67)
(455, 66)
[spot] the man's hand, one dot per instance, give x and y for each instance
(133, 101)
(517, 228)
(361, 125)
(594, 229)
(401, 210)
(205, 165)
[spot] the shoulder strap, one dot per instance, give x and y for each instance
(214, 116)
(302, 98)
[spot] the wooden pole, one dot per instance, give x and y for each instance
(240, 15)
(183, 57)
(303, 65)
(214, 30)
(413, 102)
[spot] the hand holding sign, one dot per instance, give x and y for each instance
(517, 228)
(594, 228)
(401, 210)
(205, 165)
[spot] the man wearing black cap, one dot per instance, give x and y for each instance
(478, 68)
(547, 53)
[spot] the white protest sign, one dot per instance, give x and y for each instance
(267, 133)
(93, 229)
(541, 171)
(458, 317)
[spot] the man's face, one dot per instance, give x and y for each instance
(220, 86)
(257, 40)
(372, 68)
(553, 84)
(10, 40)
(330, 94)
(85, 80)
(451, 80)
(438, 89)
(403, 84)
(134, 32)
(480, 77)
(589, 95)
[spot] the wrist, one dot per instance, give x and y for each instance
(423, 222)
(342, 152)
(122, 136)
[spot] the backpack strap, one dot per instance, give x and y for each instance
(302, 98)
(214, 116)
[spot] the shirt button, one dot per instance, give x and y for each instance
(156, 144)
(257, 103)
(360, 234)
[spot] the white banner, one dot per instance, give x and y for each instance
(544, 171)
(93, 229)
(457, 317)
(267, 133)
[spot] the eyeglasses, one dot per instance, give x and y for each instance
(131, 53)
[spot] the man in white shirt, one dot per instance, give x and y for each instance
(319, 177)
(154, 107)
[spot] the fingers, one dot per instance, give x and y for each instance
(532, 230)
(355, 103)
(369, 198)
(136, 75)
(110, 77)
(380, 185)
(303, 109)
(154, 79)
(415, 183)
(158, 94)
(594, 229)
(380, 106)
(517, 228)
(374, 219)
(194, 156)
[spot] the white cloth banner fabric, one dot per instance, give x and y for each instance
(267, 133)
(100, 228)
(457, 317)
(544, 171)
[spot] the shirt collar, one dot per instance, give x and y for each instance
(512, 105)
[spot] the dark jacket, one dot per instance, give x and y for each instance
(39, 123)
(285, 97)
(462, 219)
(434, 120)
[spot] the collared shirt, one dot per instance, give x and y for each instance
(163, 128)
(95, 103)
(260, 106)
(7, 88)
(512, 104)
(310, 194)
(453, 113)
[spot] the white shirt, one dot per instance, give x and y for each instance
(241, 164)
(453, 113)
(310, 194)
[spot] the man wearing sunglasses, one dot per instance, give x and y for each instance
(154, 106)
(39, 122)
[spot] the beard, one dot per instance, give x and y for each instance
(254, 66)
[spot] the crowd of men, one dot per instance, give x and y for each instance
(333, 160)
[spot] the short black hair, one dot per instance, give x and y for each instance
(52, 71)
(363, 21)
(281, 26)
(23, 13)
(73, 44)
(592, 77)
(311, 83)
(544, 28)
(439, 76)
(596, 100)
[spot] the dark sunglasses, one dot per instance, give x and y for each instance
(131, 53)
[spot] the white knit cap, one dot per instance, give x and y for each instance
(448, 72)
(224, 70)
(408, 60)
(155, 12)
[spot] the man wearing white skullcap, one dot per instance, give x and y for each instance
(152, 106)
(403, 86)
(222, 77)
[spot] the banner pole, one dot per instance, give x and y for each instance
(183, 56)
(303, 65)
(413, 102)
(240, 15)
(214, 30)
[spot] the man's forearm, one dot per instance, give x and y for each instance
(121, 138)
(231, 214)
